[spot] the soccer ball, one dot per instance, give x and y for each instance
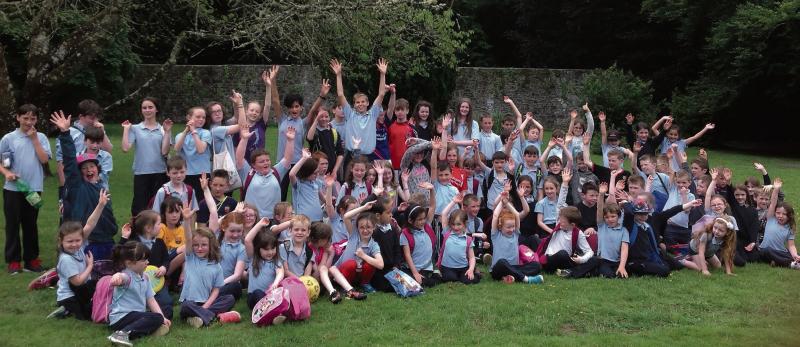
(312, 286)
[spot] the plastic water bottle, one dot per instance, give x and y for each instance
(31, 196)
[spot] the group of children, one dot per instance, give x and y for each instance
(374, 191)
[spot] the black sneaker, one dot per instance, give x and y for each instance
(336, 297)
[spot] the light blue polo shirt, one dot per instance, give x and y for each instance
(339, 229)
(497, 187)
(362, 124)
(674, 199)
(444, 194)
(264, 191)
(461, 134)
(422, 255)
(24, 163)
(221, 140)
(776, 236)
(196, 163)
(265, 277)
(356, 191)
(69, 265)
(232, 252)
(505, 247)
(548, 209)
(371, 248)
(201, 277)
(666, 144)
(299, 124)
(662, 185)
(489, 144)
(609, 241)
(78, 138)
(305, 199)
(182, 195)
(295, 262)
(455, 251)
(147, 157)
(130, 297)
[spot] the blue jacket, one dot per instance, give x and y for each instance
(80, 197)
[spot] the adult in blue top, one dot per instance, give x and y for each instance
(152, 143)
(360, 122)
(82, 179)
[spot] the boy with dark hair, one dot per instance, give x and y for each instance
(565, 255)
(23, 151)
(219, 184)
(82, 176)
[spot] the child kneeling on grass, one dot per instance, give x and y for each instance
(505, 252)
(132, 296)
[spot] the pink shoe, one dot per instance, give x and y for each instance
(508, 279)
(229, 317)
(47, 279)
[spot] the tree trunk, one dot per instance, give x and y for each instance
(7, 100)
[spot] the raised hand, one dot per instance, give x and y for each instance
(603, 188)
(702, 153)
(637, 147)
(529, 116)
(265, 77)
(378, 166)
(245, 133)
(447, 120)
(777, 183)
(459, 198)
(382, 65)
(616, 173)
(514, 135)
(103, 197)
(436, 143)
(392, 88)
(273, 73)
(62, 122)
(203, 181)
(306, 154)
(126, 124)
(601, 116)
(560, 142)
(402, 207)
(356, 141)
(710, 126)
(507, 100)
(586, 107)
(566, 174)
(573, 114)
(620, 185)
(425, 185)
(714, 173)
(336, 67)
(405, 175)
(629, 118)
(330, 180)
(290, 133)
(587, 138)
(187, 213)
(126, 231)
(324, 88)
(167, 125)
(236, 98)
(759, 167)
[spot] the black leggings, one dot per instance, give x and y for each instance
(503, 268)
(145, 188)
(138, 324)
(781, 258)
(80, 305)
(562, 260)
(450, 274)
(647, 268)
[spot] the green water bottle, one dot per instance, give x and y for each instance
(31, 196)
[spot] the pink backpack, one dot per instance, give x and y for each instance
(526, 255)
(299, 304)
(101, 300)
(274, 304)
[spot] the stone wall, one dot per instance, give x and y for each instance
(548, 93)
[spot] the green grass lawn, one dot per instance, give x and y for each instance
(757, 307)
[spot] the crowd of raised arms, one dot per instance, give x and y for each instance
(373, 190)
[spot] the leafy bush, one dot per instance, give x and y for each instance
(618, 92)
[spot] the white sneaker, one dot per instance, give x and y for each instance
(795, 265)
(195, 322)
(120, 338)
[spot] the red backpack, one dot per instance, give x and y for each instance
(348, 190)
(542, 248)
(444, 243)
(167, 192)
(250, 174)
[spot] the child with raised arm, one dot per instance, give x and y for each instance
(255, 118)
(88, 114)
(323, 137)
(456, 256)
(505, 251)
(577, 129)
(306, 191)
(530, 129)
(672, 137)
(75, 286)
(266, 269)
(292, 118)
(613, 239)
(152, 144)
(639, 135)
(23, 151)
(200, 299)
(84, 187)
(419, 241)
(362, 257)
(778, 245)
(360, 120)
(260, 179)
(609, 140)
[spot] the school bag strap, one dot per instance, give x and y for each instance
(444, 242)
(653, 256)
(410, 237)
(287, 244)
(542, 248)
(249, 178)
(167, 192)
(348, 190)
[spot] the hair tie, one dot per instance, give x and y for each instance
(726, 222)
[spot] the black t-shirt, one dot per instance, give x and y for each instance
(588, 216)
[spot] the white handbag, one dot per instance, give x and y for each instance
(223, 161)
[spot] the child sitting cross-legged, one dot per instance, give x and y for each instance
(505, 242)
(456, 256)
